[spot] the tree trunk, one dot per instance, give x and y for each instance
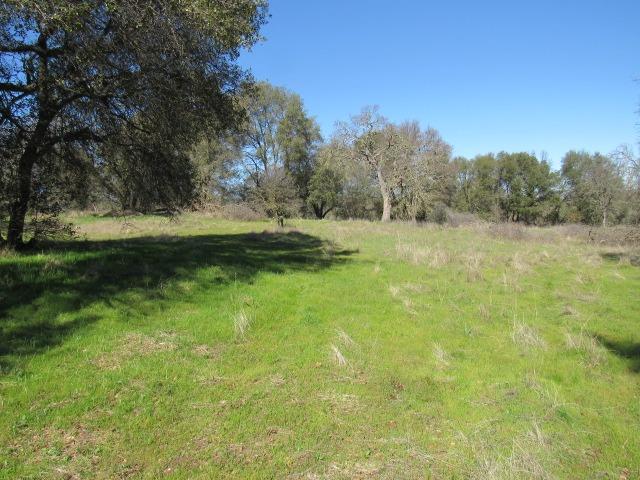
(20, 205)
(34, 149)
(326, 212)
(604, 218)
(386, 197)
(319, 210)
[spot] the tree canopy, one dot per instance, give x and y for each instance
(75, 76)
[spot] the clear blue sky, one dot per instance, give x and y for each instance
(489, 75)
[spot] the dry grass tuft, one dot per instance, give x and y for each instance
(422, 255)
(525, 462)
(345, 339)
(338, 357)
(473, 265)
(527, 459)
(519, 264)
(443, 359)
(592, 260)
(413, 287)
(526, 337)
(412, 253)
(590, 297)
(594, 354)
(357, 471)
(484, 313)
(439, 258)
(241, 324)
(408, 305)
(511, 282)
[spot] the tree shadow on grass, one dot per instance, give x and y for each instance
(35, 290)
(626, 349)
(618, 257)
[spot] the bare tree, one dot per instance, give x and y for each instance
(370, 140)
(629, 164)
(410, 164)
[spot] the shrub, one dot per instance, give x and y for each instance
(439, 214)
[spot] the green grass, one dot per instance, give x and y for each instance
(365, 351)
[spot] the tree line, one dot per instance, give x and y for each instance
(372, 168)
(141, 106)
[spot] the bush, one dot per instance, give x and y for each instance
(48, 227)
(439, 214)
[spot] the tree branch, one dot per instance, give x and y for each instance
(17, 87)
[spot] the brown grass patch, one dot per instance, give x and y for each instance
(135, 345)
(72, 451)
(341, 402)
(207, 351)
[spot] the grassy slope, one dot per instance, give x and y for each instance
(465, 356)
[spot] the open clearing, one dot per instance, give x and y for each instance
(205, 348)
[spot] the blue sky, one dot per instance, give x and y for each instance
(489, 75)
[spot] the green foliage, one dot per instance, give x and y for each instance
(299, 137)
(526, 185)
(515, 187)
(439, 214)
(325, 187)
(120, 81)
(279, 139)
(276, 195)
(360, 197)
(595, 186)
(216, 159)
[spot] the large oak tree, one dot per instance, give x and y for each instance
(144, 77)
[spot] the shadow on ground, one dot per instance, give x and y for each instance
(35, 290)
(626, 349)
(619, 257)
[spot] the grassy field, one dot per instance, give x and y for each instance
(206, 348)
